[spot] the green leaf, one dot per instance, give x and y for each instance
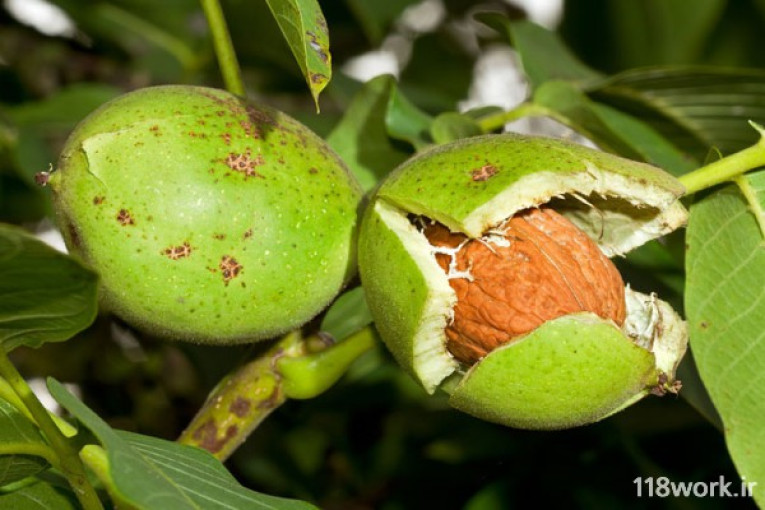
(64, 109)
(45, 296)
(144, 28)
(38, 495)
(649, 32)
(22, 447)
(20, 202)
(483, 111)
(450, 126)
(38, 121)
(150, 473)
(305, 29)
(55, 116)
(724, 299)
(361, 137)
(611, 129)
(405, 121)
(376, 18)
(347, 315)
(544, 56)
(696, 108)
(439, 71)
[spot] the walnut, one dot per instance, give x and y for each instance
(535, 267)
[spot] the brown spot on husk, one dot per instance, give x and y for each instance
(125, 218)
(177, 252)
(230, 268)
(259, 116)
(245, 163)
(484, 173)
(74, 235)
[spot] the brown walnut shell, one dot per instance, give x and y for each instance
(535, 267)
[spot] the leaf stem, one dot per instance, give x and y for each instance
(309, 376)
(497, 120)
(239, 403)
(224, 48)
(245, 397)
(727, 168)
(37, 450)
(9, 395)
(67, 459)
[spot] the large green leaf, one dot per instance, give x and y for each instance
(648, 32)
(144, 28)
(725, 299)
(361, 137)
(543, 54)
(305, 29)
(38, 495)
(45, 296)
(696, 108)
(150, 473)
(62, 110)
(22, 447)
(611, 129)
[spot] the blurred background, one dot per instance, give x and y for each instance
(375, 440)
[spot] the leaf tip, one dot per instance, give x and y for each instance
(758, 127)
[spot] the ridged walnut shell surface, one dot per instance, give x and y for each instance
(537, 267)
(472, 186)
(207, 217)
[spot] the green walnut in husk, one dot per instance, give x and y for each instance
(208, 218)
(486, 266)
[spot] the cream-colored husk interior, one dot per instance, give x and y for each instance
(616, 213)
(432, 361)
(654, 325)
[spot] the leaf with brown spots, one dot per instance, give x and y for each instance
(303, 25)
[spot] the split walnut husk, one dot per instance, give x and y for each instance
(574, 368)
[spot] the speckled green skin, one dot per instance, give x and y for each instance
(437, 183)
(208, 218)
(571, 371)
(568, 372)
